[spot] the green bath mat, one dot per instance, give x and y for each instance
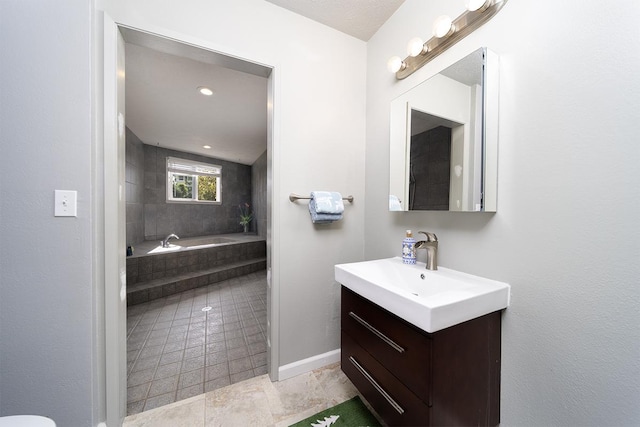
(351, 413)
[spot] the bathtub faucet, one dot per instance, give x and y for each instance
(165, 242)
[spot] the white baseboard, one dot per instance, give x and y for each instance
(307, 365)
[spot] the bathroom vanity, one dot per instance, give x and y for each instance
(444, 372)
(448, 378)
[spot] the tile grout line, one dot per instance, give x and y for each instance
(233, 293)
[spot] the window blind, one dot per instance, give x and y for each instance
(190, 167)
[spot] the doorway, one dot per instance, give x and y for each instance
(172, 47)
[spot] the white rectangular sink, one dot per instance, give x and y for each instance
(431, 300)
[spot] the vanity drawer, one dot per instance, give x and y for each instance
(394, 402)
(402, 348)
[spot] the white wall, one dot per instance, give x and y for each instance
(319, 143)
(47, 330)
(566, 233)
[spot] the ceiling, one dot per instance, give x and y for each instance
(164, 107)
(358, 18)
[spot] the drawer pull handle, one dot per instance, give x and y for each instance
(377, 386)
(376, 332)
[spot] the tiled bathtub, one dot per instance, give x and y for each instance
(154, 272)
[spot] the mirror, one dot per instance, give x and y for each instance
(444, 140)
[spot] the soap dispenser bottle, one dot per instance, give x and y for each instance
(409, 249)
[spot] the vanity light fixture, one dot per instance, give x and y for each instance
(396, 64)
(205, 91)
(443, 27)
(416, 47)
(480, 5)
(446, 33)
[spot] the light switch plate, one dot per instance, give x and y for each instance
(66, 203)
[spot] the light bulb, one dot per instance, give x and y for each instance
(443, 27)
(395, 64)
(480, 5)
(416, 47)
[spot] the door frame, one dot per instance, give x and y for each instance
(114, 261)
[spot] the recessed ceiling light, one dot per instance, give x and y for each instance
(206, 146)
(205, 91)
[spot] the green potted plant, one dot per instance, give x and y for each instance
(246, 216)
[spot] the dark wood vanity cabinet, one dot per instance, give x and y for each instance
(414, 378)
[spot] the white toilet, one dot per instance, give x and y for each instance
(26, 421)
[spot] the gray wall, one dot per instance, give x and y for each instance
(430, 170)
(318, 143)
(49, 333)
(134, 176)
(162, 218)
(565, 235)
(259, 195)
(151, 217)
(50, 304)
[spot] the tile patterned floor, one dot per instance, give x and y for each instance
(175, 350)
(254, 402)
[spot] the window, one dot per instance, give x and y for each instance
(189, 181)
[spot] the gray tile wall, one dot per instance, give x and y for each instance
(188, 220)
(151, 267)
(134, 167)
(150, 217)
(430, 166)
(259, 195)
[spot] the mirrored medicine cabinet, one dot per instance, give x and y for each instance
(444, 139)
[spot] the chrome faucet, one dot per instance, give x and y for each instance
(165, 242)
(431, 246)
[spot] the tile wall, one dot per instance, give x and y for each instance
(150, 217)
(188, 220)
(259, 195)
(134, 153)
